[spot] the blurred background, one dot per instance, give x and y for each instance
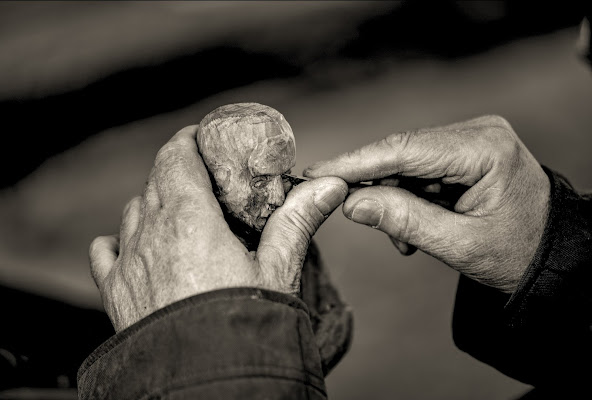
(89, 91)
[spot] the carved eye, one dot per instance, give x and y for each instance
(260, 182)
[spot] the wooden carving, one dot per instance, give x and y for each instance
(246, 147)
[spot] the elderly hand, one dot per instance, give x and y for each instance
(174, 241)
(494, 229)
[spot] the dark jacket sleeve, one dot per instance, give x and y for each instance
(541, 334)
(234, 343)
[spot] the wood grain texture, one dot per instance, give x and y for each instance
(246, 147)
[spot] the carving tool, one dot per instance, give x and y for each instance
(445, 195)
(297, 180)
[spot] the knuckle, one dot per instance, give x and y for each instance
(398, 140)
(166, 153)
(404, 224)
(504, 143)
(509, 149)
(188, 130)
(96, 246)
(501, 139)
(186, 135)
(134, 202)
(495, 120)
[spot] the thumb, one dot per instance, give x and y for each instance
(287, 234)
(407, 218)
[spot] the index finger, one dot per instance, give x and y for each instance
(178, 168)
(451, 151)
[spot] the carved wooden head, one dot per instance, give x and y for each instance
(246, 147)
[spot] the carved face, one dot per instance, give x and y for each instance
(246, 147)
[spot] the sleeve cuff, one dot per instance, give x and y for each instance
(559, 273)
(226, 335)
(542, 333)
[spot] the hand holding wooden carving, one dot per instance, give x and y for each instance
(174, 241)
(246, 147)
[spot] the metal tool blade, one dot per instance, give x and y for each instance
(297, 180)
(294, 180)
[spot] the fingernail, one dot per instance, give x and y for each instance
(310, 170)
(367, 212)
(328, 198)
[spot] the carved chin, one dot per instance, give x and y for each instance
(259, 223)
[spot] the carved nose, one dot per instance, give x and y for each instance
(276, 192)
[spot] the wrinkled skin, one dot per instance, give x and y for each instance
(492, 231)
(174, 242)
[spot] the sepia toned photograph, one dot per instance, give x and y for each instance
(296, 200)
